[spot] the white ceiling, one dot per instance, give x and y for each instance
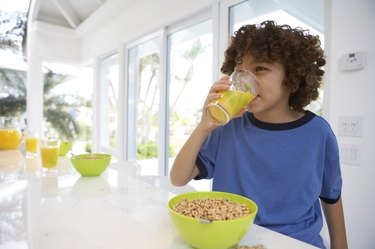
(65, 13)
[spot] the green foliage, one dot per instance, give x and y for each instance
(63, 122)
(13, 31)
(59, 113)
(172, 150)
(13, 92)
(149, 150)
(176, 119)
(88, 147)
(195, 50)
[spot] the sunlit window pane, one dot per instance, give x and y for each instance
(190, 77)
(68, 104)
(109, 85)
(144, 95)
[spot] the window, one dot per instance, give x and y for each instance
(144, 103)
(108, 103)
(68, 104)
(190, 78)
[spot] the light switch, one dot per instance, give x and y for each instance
(350, 126)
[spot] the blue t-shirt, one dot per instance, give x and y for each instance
(285, 168)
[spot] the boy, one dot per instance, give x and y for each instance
(276, 153)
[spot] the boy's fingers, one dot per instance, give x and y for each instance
(222, 84)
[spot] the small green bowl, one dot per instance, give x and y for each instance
(91, 164)
(214, 234)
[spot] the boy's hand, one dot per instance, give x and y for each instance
(215, 93)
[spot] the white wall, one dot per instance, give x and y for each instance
(351, 27)
(58, 47)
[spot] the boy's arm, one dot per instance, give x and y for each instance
(334, 215)
(184, 168)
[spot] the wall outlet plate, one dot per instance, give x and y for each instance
(350, 154)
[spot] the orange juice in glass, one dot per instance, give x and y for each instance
(31, 142)
(49, 153)
(10, 136)
(10, 139)
(243, 90)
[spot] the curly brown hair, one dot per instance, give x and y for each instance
(299, 52)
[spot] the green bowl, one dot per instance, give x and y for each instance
(215, 234)
(91, 164)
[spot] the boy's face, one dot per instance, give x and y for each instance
(273, 95)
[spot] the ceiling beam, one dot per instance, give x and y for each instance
(55, 30)
(68, 12)
(34, 10)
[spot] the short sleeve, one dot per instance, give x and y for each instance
(332, 179)
(207, 155)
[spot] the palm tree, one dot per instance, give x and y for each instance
(12, 92)
(150, 63)
(13, 32)
(58, 112)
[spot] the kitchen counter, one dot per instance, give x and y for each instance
(120, 209)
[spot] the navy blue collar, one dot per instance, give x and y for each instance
(281, 126)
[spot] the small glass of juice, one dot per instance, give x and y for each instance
(49, 153)
(31, 142)
(243, 90)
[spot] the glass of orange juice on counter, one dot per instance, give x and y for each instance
(31, 142)
(49, 153)
(10, 136)
(243, 90)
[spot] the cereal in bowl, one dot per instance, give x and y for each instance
(211, 209)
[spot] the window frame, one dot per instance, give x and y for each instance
(103, 64)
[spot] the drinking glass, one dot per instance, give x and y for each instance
(31, 142)
(49, 152)
(243, 90)
(10, 135)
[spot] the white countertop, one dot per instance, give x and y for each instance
(119, 209)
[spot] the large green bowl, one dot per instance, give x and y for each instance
(216, 234)
(91, 164)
